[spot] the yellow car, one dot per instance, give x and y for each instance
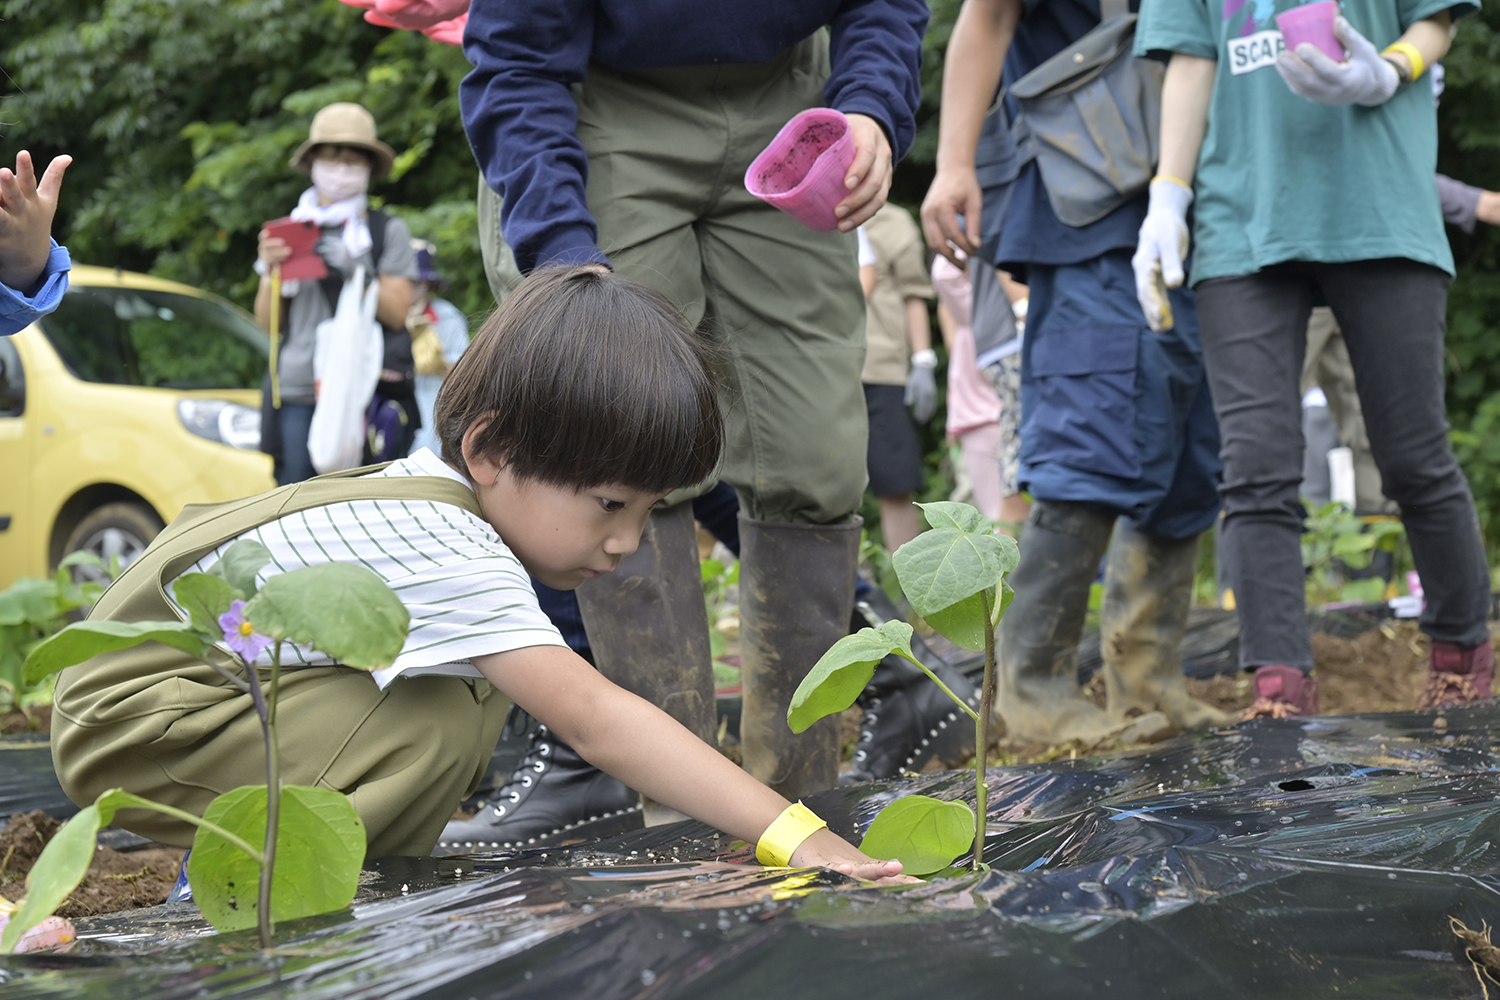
(136, 397)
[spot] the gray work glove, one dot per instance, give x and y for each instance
(336, 255)
(921, 386)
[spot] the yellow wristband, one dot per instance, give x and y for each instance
(785, 834)
(1407, 49)
(1175, 180)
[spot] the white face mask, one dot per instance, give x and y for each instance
(339, 181)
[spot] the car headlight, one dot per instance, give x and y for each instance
(222, 421)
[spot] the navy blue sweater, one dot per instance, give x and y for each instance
(522, 122)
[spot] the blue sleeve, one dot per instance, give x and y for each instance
(522, 123)
(876, 56)
(18, 310)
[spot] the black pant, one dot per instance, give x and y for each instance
(1392, 313)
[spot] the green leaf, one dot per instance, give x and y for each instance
(943, 566)
(963, 623)
(239, 564)
(342, 609)
(711, 570)
(1007, 594)
(29, 600)
(82, 557)
(206, 597)
(923, 833)
(320, 847)
(842, 673)
(1351, 544)
(82, 640)
(1368, 591)
(64, 862)
(960, 516)
(726, 675)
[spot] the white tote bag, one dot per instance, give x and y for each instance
(346, 368)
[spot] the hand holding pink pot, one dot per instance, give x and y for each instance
(826, 170)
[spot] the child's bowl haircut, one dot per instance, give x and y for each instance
(584, 378)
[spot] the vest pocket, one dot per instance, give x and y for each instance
(1081, 410)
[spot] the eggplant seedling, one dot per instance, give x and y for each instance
(953, 574)
(312, 839)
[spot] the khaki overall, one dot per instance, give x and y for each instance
(167, 726)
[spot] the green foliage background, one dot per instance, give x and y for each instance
(182, 114)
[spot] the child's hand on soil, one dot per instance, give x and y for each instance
(26, 211)
(826, 849)
(869, 177)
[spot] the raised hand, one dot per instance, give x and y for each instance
(26, 211)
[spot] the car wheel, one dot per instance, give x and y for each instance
(114, 530)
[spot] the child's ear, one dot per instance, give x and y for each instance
(481, 468)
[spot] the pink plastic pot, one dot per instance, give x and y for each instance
(802, 171)
(1312, 23)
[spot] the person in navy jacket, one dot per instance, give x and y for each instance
(620, 131)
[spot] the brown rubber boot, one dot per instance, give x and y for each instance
(796, 596)
(648, 628)
(1148, 588)
(1038, 692)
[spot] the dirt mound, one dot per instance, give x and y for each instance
(1381, 670)
(116, 880)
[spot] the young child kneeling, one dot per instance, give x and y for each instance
(580, 405)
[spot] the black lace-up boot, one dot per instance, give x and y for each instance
(908, 719)
(552, 796)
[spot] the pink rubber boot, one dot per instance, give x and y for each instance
(1282, 691)
(1456, 675)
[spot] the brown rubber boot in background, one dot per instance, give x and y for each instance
(1148, 589)
(648, 628)
(1038, 692)
(796, 596)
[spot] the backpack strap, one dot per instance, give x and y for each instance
(140, 592)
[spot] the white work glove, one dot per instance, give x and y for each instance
(335, 254)
(921, 386)
(1367, 78)
(1160, 250)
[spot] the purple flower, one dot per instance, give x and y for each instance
(240, 634)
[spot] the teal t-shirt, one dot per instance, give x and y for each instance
(1283, 178)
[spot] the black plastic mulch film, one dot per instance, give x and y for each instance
(1294, 858)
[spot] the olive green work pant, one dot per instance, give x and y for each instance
(405, 756)
(668, 150)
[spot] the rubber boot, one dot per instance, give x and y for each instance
(1148, 589)
(796, 596)
(552, 795)
(908, 719)
(648, 628)
(1038, 694)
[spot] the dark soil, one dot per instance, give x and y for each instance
(40, 721)
(116, 880)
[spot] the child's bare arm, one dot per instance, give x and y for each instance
(645, 748)
(26, 211)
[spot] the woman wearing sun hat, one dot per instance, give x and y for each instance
(341, 155)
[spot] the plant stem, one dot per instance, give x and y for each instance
(267, 713)
(981, 735)
(212, 828)
(938, 681)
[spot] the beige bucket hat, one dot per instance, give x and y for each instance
(344, 124)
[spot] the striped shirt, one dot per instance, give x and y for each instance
(467, 593)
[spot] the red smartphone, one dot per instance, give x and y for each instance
(304, 263)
